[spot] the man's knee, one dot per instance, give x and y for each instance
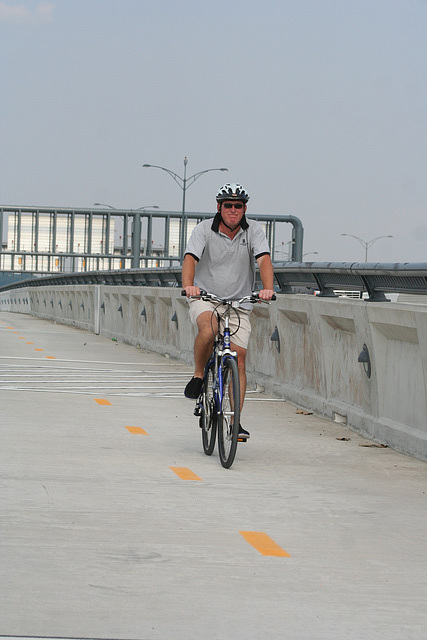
(207, 326)
(241, 357)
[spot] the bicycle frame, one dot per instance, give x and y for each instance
(221, 351)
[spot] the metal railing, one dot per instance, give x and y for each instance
(44, 240)
(375, 279)
(322, 278)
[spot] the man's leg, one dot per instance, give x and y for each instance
(241, 365)
(203, 344)
(207, 325)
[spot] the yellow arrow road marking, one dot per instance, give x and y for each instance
(184, 473)
(137, 430)
(264, 544)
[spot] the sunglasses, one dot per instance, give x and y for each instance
(236, 205)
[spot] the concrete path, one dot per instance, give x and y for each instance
(116, 525)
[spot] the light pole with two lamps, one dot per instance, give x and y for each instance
(365, 243)
(184, 183)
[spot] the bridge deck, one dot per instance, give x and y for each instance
(116, 525)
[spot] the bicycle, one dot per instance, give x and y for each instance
(218, 405)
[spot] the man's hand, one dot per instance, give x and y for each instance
(266, 294)
(192, 291)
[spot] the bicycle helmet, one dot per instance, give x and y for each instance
(232, 191)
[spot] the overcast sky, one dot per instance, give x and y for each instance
(318, 107)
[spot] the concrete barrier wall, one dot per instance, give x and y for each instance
(317, 367)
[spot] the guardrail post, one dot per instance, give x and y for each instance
(97, 319)
(136, 240)
(297, 238)
(1, 229)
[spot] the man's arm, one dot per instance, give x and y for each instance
(267, 276)
(188, 271)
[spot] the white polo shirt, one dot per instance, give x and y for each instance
(225, 266)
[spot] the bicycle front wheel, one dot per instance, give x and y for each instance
(229, 418)
(208, 417)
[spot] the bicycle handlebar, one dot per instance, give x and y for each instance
(204, 295)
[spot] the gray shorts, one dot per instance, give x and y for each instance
(241, 338)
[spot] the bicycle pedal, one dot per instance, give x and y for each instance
(198, 410)
(242, 439)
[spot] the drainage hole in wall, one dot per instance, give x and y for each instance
(339, 418)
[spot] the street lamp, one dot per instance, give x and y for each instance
(184, 183)
(101, 204)
(365, 243)
(281, 249)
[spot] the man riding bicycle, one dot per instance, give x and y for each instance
(220, 258)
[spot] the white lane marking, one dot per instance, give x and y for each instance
(66, 387)
(178, 395)
(140, 380)
(127, 364)
(54, 374)
(53, 364)
(95, 392)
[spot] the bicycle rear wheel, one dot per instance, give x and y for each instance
(229, 418)
(208, 417)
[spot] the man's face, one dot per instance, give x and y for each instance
(232, 211)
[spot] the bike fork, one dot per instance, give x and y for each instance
(199, 402)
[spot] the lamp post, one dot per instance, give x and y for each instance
(286, 254)
(365, 243)
(184, 183)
